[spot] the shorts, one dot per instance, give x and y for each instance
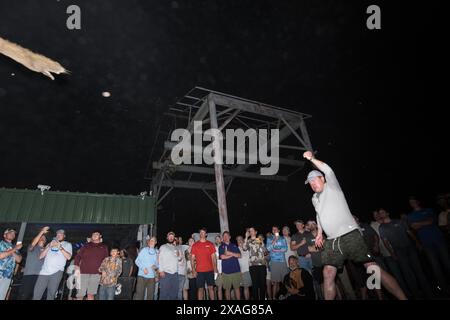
(205, 277)
(348, 246)
(246, 279)
(219, 281)
(88, 284)
(278, 270)
(186, 284)
(231, 280)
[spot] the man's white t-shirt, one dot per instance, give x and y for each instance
(55, 260)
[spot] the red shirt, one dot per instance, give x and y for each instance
(202, 252)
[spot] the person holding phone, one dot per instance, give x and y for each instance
(277, 246)
(9, 256)
(55, 256)
(33, 264)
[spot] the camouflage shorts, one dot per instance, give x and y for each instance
(349, 246)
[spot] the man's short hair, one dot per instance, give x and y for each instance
(225, 232)
(293, 257)
(203, 229)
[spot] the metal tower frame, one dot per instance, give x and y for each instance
(222, 111)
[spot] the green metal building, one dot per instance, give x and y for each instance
(38, 208)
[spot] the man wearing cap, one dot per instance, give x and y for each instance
(87, 263)
(344, 239)
(147, 262)
(56, 254)
(169, 256)
(33, 264)
(9, 256)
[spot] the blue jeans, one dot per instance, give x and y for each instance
(106, 293)
(168, 287)
(181, 280)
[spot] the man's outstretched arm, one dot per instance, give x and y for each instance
(322, 166)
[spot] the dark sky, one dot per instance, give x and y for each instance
(375, 96)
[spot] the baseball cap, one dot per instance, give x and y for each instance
(61, 231)
(313, 174)
(9, 230)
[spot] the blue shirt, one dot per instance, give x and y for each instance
(429, 235)
(147, 258)
(280, 246)
(7, 264)
(230, 265)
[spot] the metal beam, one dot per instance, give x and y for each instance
(199, 115)
(226, 122)
(305, 134)
(156, 183)
(294, 133)
(253, 107)
(188, 184)
(163, 196)
(210, 197)
(23, 227)
(283, 146)
(229, 184)
(220, 184)
(304, 115)
(168, 145)
(284, 133)
(226, 172)
(219, 114)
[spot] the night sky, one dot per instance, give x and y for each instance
(376, 97)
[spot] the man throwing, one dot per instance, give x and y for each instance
(344, 239)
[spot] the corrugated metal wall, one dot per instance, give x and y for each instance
(69, 207)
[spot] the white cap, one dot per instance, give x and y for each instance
(313, 174)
